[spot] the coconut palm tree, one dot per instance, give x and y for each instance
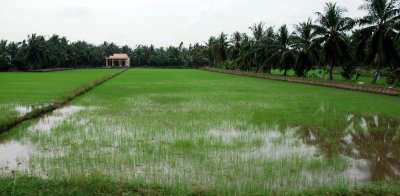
(330, 33)
(245, 56)
(3, 46)
(270, 39)
(210, 48)
(193, 56)
(307, 51)
(57, 53)
(221, 47)
(378, 32)
(36, 51)
(284, 55)
(4, 57)
(235, 45)
(258, 31)
(110, 48)
(77, 53)
(260, 46)
(217, 48)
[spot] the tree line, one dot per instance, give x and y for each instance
(329, 41)
(41, 52)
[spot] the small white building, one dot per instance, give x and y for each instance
(119, 60)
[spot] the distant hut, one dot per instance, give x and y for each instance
(119, 60)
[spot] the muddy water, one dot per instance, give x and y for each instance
(48, 122)
(23, 110)
(370, 143)
(14, 155)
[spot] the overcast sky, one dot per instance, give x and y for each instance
(158, 22)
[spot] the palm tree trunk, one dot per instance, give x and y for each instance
(285, 72)
(331, 70)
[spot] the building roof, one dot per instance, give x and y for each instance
(118, 56)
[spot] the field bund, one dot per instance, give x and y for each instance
(317, 82)
(181, 132)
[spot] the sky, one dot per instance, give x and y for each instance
(158, 22)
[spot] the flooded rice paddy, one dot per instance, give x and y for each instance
(371, 143)
(23, 110)
(70, 142)
(48, 122)
(205, 134)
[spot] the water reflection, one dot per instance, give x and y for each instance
(22, 110)
(52, 120)
(372, 139)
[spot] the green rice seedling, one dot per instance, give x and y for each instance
(191, 131)
(7, 123)
(23, 92)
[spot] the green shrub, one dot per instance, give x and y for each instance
(5, 62)
(348, 72)
(394, 78)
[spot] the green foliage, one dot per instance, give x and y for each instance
(333, 40)
(5, 61)
(328, 42)
(331, 35)
(376, 37)
(100, 185)
(149, 56)
(217, 50)
(348, 71)
(318, 74)
(394, 78)
(92, 185)
(308, 52)
(5, 58)
(227, 65)
(284, 57)
(37, 52)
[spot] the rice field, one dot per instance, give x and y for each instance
(183, 132)
(23, 91)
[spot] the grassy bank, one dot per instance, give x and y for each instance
(102, 186)
(192, 131)
(312, 81)
(366, 79)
